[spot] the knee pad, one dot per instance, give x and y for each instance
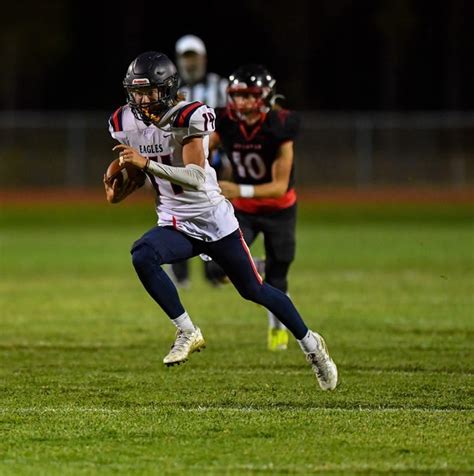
(143, 255)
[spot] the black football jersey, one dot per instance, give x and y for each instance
(252, 150)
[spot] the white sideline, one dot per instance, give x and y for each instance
(203, 409)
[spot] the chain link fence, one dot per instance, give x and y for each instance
(40, 149)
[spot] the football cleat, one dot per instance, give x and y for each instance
(323, 366)
(277, 339)
(186, 343)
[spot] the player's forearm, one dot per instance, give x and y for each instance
(190, 177)
(269, 190)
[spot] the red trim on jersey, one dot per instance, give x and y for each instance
(256, 127)
(249, 137)
(174, 223)
(187, 111)
(265, 205)
(246, 248)
(116, 120)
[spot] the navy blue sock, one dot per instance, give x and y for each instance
(233, 255)
(283, 308)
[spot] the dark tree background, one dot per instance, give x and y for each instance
(326, 54)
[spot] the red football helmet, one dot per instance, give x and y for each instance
(254, 81)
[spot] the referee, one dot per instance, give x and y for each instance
(209, 88)
(197, 84)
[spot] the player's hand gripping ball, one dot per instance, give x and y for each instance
(124, 174)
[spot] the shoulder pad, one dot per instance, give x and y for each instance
(289, 123)
(121, 121)
(196, 119)
(183, 116)
(115, 121)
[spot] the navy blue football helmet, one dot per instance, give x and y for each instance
(148, 71)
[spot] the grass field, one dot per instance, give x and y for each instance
(83, 389)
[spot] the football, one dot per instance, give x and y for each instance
(124, 173)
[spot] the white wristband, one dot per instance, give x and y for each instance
(247, 191)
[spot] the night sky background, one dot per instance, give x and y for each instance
(328, 55)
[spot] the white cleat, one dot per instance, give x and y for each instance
(323, 366)
(185, 344)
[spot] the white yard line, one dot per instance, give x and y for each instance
(205, 409)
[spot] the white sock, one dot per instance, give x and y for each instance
(274, 322)
(308, 343)
(184, 323)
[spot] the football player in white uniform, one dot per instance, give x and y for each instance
(168, 138)
(199, 84)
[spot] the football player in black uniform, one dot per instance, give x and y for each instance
(257, 137)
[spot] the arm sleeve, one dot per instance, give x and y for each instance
(191, 177)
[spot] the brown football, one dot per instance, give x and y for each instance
(124, 173)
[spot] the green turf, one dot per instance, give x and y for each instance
(83, 390)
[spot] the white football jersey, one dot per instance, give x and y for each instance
(204, 214)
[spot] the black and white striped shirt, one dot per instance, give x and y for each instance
(211, 91)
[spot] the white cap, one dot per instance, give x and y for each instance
(190, 43)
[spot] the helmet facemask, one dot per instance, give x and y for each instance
(250, 81)
(151, 83)
(149, 102)
(240, 104)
